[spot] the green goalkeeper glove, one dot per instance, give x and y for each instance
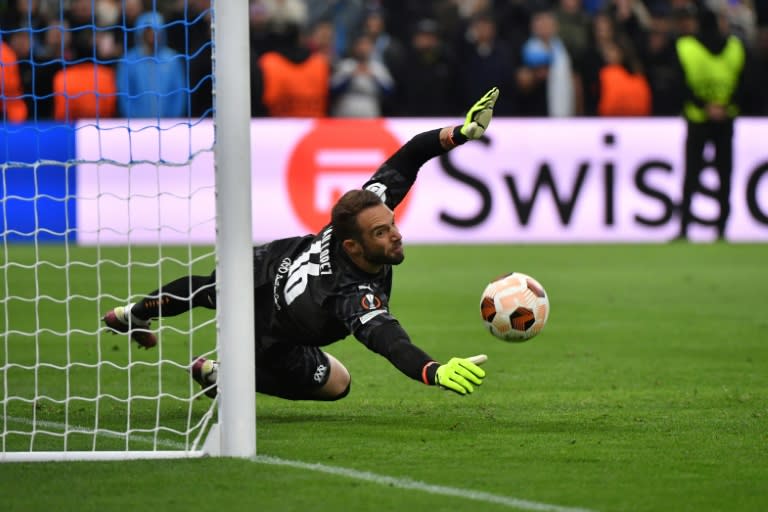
(460, 374)
(479, 116)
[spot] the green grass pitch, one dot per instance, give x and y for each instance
(646, 391)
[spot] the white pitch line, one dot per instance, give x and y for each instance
(384, 480)
(407, 483)
(53, 425)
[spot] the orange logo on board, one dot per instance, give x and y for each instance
(337, 155)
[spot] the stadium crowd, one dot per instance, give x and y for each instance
(362, 58)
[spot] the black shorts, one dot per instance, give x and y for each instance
(283, 368)
(290, 371)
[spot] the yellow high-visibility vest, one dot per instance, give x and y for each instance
(713, 78)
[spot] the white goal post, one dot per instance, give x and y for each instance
(68, 389)
(233, 229)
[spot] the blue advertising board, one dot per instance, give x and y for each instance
(37, 190)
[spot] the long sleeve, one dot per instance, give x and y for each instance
(391, 341)
(396, 176)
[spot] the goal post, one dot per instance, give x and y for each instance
(234, 239)
(99, 210)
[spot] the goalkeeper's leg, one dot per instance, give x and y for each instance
(172, 299)
(294, 372)
(177, 297)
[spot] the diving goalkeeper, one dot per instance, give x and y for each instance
(314, 290)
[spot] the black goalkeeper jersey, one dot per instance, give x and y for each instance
(319, 296)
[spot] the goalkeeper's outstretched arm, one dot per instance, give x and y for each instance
(398, 173)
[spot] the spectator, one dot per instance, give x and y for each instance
(321, 39)
(80, 14)
(761, 13)
(201, 77)
(360, 83)
(546, 80)
(514, 19)
(631, 19)
(624, 90)
(740, 17)
(11, 88)
(758, 100)
(574, 29)
(123, 24)
(290, 81)
(603, 34)
(56, 50)
(386, 49)
(684, 19)
(27, 14)
(85, 89)
(189, 26)
(486, 61)
(427, 62)
(151, 77)
(660, 62)
(258, 28)
(346, 16)
(109, 37)
(21, 43)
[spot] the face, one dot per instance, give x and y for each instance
(363, 47)
(149, 37)
(544, 26)
(485, 30)
(381, 240)
(612, 54)
(374, 24)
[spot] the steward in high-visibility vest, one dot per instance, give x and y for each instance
(712, 78)
(713, 66)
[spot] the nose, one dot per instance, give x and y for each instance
(396, 236)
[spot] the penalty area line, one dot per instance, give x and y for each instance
(415, 485)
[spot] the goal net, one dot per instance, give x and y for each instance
(112, 185)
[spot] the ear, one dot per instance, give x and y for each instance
(352, 247)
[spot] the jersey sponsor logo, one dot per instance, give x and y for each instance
(282, 270)
(370, 302)
(332, 158)
(320, 372)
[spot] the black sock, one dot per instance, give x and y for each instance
(177, 297)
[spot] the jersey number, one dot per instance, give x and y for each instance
(299, 273)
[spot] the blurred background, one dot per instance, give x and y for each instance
(657, 107)
(386, 58)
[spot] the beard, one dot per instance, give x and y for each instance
(378, 256)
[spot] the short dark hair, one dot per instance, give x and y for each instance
(345, 212)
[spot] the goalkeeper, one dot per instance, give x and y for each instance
(314, 290)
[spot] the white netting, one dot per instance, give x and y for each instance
(98, 213)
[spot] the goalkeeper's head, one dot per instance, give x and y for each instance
(365, 228)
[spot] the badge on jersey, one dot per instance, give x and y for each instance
(370, 302)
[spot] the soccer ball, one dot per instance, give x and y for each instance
(514, 307)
